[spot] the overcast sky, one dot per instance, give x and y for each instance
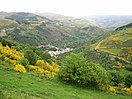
(69, 7)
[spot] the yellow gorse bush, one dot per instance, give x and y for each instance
(119, 65)
(43, 67)
(20, 68)
(112, 89)
(128, 90)
(11, 53)
(115, 89)
(12, 56)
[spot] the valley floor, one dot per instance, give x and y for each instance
(30, 86)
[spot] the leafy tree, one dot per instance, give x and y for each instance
(76, 69)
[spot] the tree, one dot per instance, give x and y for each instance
(76, 69)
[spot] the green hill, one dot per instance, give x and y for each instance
(38, 30)
(119, 44)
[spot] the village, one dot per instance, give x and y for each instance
(56, 50)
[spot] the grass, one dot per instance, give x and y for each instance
(4, 22)
(124, 37)
(118, 43)
(29, 86)
(128, 43)
(114, 51)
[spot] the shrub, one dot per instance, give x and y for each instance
(40, 63)
(77, 70)
(112, 89)
(31, 56)
(43, 67)
(129, 67)
(44, 56)
(20, 68)
(128, 79)
(117, 77)
(24, 62)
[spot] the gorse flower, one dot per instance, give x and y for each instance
(43, 67)
(20, 68)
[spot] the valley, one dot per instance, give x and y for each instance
(51, 56)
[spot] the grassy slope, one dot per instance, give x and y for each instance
(30, 86)
(118, 43)
(4, 22)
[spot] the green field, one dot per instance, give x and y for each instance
(29, 86)
(114, 51)
(124, 37)
(118, 44)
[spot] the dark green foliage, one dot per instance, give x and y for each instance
(128, 79)
(5, 42)
(25, 63)
(129, 67)
(77, 70)
(117, 77)
(2, 96)
(31, 56)
(100, 58)
(45, 56)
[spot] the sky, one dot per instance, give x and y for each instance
(69, 7)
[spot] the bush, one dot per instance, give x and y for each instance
(24, 62)
(128, 80)
(117, 77)
(129, 67)
(44, 56)
(20, 68)
(31, 56)
(77, 70)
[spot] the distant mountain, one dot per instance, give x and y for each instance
(68, 19)
(110, 21)
(61, 31)
(126, 26)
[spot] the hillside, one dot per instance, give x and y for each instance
(29, 86)
(38, 30)
(20, 79)
(119, 44)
